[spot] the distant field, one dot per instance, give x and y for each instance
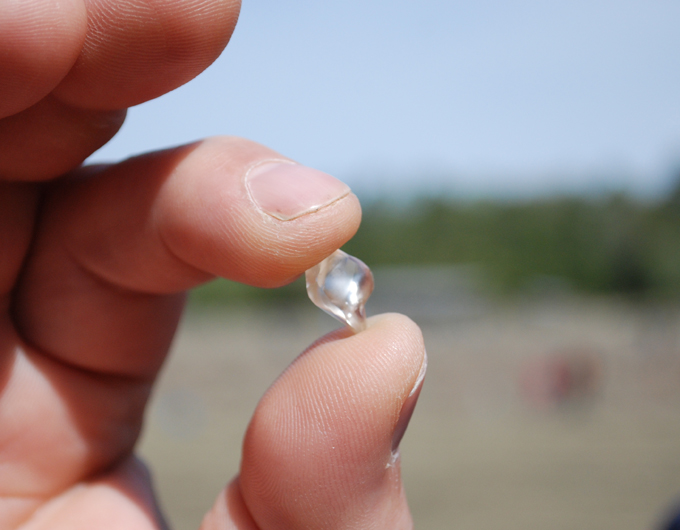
(502, 438)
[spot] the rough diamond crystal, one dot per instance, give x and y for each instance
(341, 285)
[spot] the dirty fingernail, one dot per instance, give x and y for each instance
(287, 191)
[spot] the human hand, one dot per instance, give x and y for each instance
(93, 270)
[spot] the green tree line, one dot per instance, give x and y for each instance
(607, 245)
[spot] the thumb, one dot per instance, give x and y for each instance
(322, 448)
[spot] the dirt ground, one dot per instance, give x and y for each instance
(534, 415)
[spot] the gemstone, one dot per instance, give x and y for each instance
(341, 285)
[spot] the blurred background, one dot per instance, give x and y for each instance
(519, 168)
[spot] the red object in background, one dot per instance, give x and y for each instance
(549, 381)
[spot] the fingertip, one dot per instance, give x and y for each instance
(332, 418)
(397, 332)
(211, 219)
(396, 326)
(137, 50)
(40, 41)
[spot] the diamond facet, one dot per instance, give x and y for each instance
(341, 285)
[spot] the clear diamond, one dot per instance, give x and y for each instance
(341, 285)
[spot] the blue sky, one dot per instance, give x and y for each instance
(477, 98)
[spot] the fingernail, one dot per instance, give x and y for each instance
(287, 191)
(408, 407)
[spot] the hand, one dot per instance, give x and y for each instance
(94, 266)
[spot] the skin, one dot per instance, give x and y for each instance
(94, 267)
